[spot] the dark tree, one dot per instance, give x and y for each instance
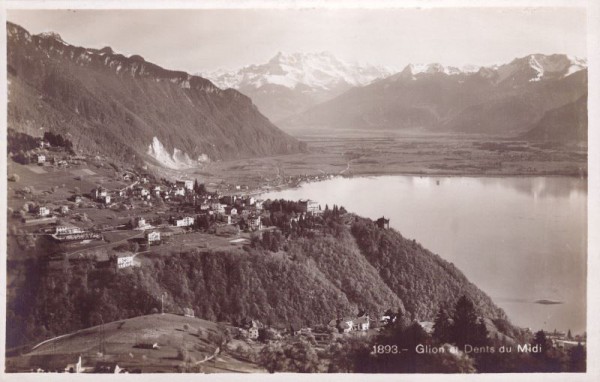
(200, 188)
(541, 340)
(577, 359)
(442, 327)
(466, 328)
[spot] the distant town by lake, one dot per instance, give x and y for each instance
(519, 239)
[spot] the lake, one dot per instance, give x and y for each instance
(519, 239)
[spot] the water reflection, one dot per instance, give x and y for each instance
(514, 237)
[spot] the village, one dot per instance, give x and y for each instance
(66, 208)
(124, 212)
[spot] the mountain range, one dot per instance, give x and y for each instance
(129, 108)
(290, 83)
(501, 100)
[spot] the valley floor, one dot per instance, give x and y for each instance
(387, 154)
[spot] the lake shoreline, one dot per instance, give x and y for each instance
(496, 229)
(411, 174)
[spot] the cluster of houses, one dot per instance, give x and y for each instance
(360, 323)
(227, 209)
(249, 328)
(52, 364)
(564, 340)
(45, 155)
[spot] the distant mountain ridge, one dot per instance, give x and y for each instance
(501, 100)
(551, 127)
(121, 106)
(291, 82)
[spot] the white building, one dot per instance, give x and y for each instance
(310, 206)
(75, 367)
(254, 222)
(186, 184)
(153, 237)
(361, 323)
(141, 223)
(124, 261)
(67, 230)
(43, 211)
(41, 158)
(184, 222)
(99, 192)
(218, 208)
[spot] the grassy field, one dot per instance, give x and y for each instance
(55, 185)
(118, 342)
(385, 153)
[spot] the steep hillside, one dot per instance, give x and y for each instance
(309, 280)
(421, 279)
(501, 100)
(129, 108)
(128, 343)
(511, 111)
(567, 123)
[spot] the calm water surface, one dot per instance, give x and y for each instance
(520, 239)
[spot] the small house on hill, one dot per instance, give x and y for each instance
(75, 367)
(383, 223)
(107, 368)
(43, 211)
(55, 363)
(148, 345)
(188, 312)
(187, 184)
(183, 221)
(140, 223)
(343, 325)
(254, 222)
(99, 192)
(361, 323)
(248, 323)
(152, 237)
(124, 260)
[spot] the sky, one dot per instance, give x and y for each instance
(199, 40)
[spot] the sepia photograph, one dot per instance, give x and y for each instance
(300, 189)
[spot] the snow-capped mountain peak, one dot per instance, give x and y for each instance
(537, 67)
(417, 69)
(320, 71)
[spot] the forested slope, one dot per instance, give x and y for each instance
(337, 267)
